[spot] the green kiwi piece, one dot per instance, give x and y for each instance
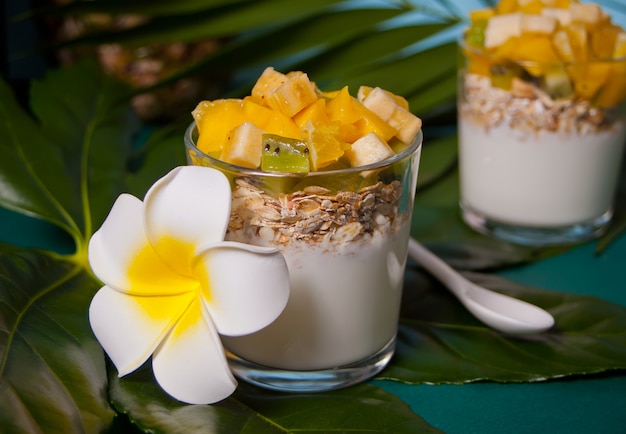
(502, 75)
(557, 84)
(283, 154)
(475, 35)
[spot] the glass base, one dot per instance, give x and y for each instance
(311, 381)
(532, 236)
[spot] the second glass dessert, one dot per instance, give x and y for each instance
(542, 121)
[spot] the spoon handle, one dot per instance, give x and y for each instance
(436, 266)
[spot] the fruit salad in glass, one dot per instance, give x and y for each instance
(541, 116)
(328, 178)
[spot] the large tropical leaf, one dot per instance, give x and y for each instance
(68, 163)
(52, 370)
(440, 342)
(363, 408)
(68, 167)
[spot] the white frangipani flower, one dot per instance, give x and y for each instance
(172, 284)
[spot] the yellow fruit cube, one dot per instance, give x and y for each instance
(501, 28)
(364, 91)
(620, 45)
(588, 78)
(244, 146)
(324, 144)
(272, 121)
(367, 150)
(507, 6)
(538, 50)
(603, 41)
(269, 80)
(386, 108)
(590, 15)
(215, 120)
(293, 95)
(562, 45)
(481, 14)
(314, 113)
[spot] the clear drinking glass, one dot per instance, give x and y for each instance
(540, 146)
(344, 235)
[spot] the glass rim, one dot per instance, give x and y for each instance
(462, 43)
(410, 150)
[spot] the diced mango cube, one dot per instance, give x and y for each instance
(481, 14)
(588, 78)
(272, 121)
(314, 113)
(603, 41)
(507, 6)
(325, 144)
(215, 120)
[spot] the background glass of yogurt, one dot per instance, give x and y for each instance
(538, 166)
(344, 234)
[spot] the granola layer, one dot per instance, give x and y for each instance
(313, 215)
(528, 109)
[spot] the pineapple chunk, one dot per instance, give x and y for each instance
(365, 90)
(502, 27)
(269, 80)
(538, 24)
(589, 14)
(388, 109)
(562, 16)
(245, 146)
(293, 95)
(367, 150)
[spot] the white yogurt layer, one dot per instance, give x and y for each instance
(551, 179)
(344, 304)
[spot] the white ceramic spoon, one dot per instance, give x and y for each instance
(498, 311)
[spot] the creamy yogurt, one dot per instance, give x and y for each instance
(546, 179)
(343, 307)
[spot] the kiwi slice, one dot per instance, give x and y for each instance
(284, 154)
(475, 35)
(502, 75)
(557, 84)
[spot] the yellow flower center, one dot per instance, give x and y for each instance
(170, 269)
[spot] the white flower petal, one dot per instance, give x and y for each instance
(191, 365)
(191, 204)
(130, 328)
(245, 287)
(120, 255)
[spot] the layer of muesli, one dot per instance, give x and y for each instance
(530, 110)
(314, 215)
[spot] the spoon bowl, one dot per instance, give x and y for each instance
(498, 311)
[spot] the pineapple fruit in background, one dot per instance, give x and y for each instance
(141, 66)
(565, 46)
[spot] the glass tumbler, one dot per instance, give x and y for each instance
(344, 235)
(540, 146)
